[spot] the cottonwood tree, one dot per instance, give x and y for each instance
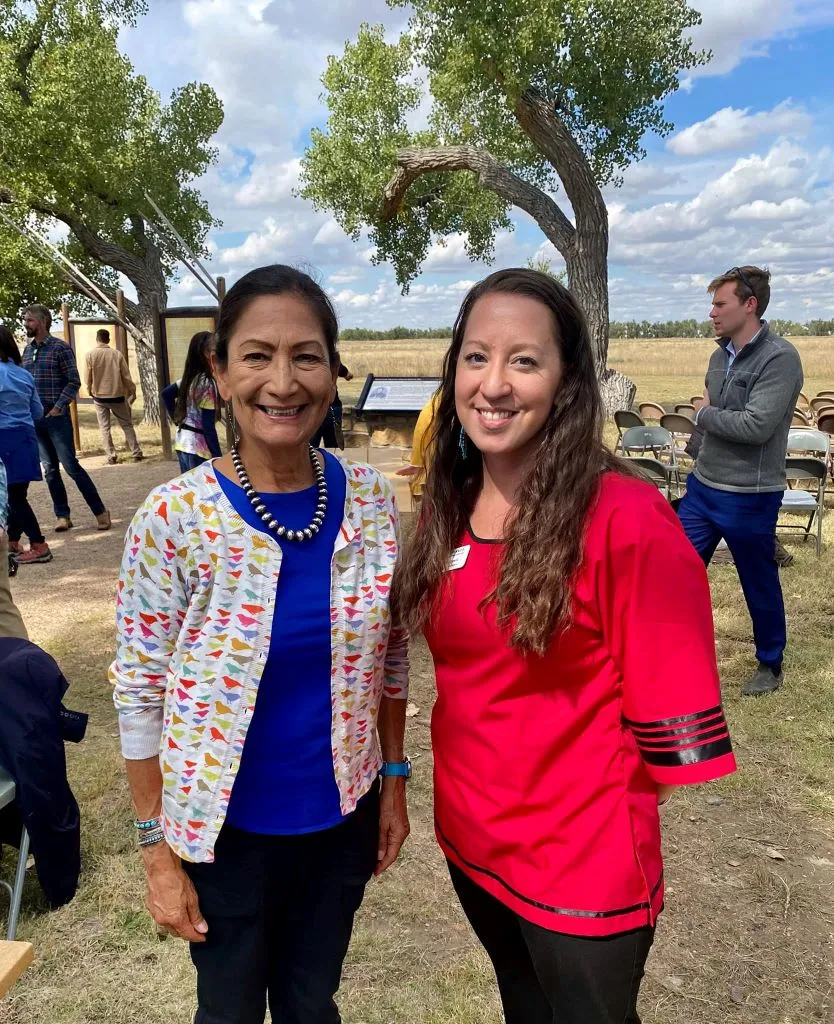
(82, 138)
(534, 104)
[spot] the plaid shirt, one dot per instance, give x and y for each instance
(53, 366)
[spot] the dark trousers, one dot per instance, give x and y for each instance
(547, 977)
(747, 522)
(280, 914)
(330, 432)
(22, 518)
(187, 461)
(56, 447)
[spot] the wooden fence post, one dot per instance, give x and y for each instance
(121, 333)
(164, 429)
(76, 430)
(230, 418)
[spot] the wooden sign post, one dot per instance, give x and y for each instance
(76, 432)
(164, 429)
(230, 419)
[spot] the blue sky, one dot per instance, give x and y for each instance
(747, 176)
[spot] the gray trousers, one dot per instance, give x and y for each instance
(121, 410)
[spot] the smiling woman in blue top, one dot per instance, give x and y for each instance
(259, 680)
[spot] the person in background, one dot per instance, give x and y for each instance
(194, 406)
(259, 679)
(112, 390)
(52, 363)
(20, 410)
(735, 490)
(421, 448)
(538, 568)
(330, 433)
(11, 621)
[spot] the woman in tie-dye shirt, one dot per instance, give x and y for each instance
(259, 681)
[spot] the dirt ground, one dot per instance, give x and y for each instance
(748, 932)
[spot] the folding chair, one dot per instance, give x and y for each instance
(7, 795)
(825, 394)
(825, 425)
(821, 402)
(809, 441)
(681, 428)
(799, 419)
(801, 502)
(651, 410)
(623, 419)
(686, 409)
(653, 471)
(802, 401)
(657, 440)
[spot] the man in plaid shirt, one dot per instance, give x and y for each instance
(52, 363)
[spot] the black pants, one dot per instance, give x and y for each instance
(280, 914)
(22, 520)
(546, 977)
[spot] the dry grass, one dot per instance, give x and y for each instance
(744, 939)
(665, 371)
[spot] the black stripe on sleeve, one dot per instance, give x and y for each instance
(691, 755)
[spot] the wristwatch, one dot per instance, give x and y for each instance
(396, 768)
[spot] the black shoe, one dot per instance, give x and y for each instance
(113, 461)
(766, 679)
(138, 458)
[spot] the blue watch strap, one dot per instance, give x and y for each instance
(396, 768)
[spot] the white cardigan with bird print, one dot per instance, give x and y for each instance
(194, 612)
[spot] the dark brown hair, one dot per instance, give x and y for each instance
(197, 367)
(750, 282)
(8, 346)
(545, 539)
(278, 279)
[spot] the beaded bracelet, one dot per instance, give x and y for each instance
(152, 837)
(147, 824)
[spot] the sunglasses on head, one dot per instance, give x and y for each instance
(745, 280)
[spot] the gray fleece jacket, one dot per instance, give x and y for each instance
(747, 421)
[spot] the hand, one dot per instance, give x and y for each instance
(55, 412)
(408, 471)
(706, 398)
(348, 375)
(171, 898)
(393, 822)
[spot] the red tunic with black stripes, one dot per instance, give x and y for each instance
(546, 768)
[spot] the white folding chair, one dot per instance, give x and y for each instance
(796, 501)
(15, 891)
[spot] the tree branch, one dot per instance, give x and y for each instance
(540, 121)
(412, 162)
(23, 61)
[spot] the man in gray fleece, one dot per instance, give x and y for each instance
(752, 384)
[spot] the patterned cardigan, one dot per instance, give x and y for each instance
(194, 613)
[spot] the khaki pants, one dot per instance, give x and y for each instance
(11, 621)
(121, 410)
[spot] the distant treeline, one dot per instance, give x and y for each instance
(626, 329)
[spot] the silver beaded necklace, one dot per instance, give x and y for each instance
(263, 512)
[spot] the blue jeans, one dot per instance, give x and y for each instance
(747, 522)
(189, 461)
(56, 448)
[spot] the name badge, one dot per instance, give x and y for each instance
(459, 556)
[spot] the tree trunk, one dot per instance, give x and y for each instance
(146, 360)
(587, 263)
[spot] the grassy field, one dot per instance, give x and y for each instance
(748, 933)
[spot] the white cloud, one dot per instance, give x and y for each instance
(789, 209)
(733, 129)
(735, 30)
(269, 183)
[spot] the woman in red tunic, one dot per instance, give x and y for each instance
(571, 629)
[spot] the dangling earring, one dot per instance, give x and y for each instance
(464, 452)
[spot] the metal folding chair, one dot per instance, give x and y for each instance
(796, 501)
(651, 410)
(15, 891)
(653, 471)
(623, 419)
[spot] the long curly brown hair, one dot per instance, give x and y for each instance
(544, 540)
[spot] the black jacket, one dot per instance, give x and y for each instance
(33, 725)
